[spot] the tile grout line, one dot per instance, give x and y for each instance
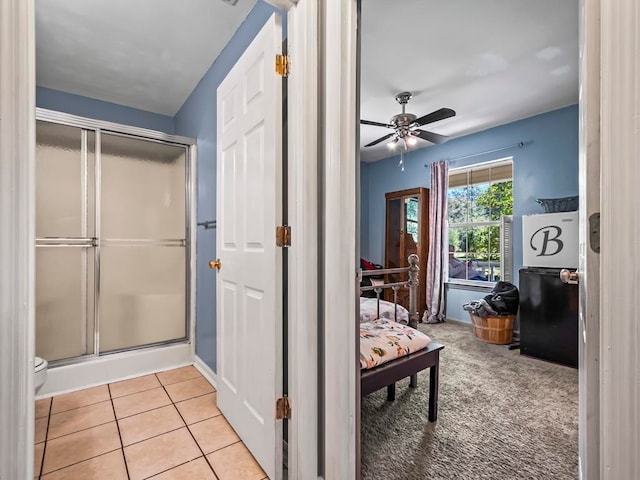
(144, 411)
(181, 381)
(191, 433)
(80, 461)
(154, 436)
(173, 429)
(80, 406)
(141, 413)
(191, 398)
(161, 406)
(124, 458)
(147, 389)
(80, 430)
(116, 420)
(197, 396)
(46, 441)
(121, 396)
(171, 468)
(46, 434)
(132, 393)
(204, 419)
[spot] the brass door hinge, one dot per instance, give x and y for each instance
(283, 408)
(283, 236)
(282, 65)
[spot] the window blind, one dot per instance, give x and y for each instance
(481, 174)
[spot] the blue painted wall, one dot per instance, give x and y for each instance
(197, 118)
(364, 202)
(546, 167)
(99, 110)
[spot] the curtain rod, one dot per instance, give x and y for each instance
(518, 145)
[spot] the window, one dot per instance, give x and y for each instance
(480, 205)
(411, 216)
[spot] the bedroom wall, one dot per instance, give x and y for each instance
(546, 167)
(99, 110)
(197, 118)
(364, 207)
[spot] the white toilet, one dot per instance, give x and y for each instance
(41, 373)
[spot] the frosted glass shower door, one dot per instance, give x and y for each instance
(143, 254)
(65, 239)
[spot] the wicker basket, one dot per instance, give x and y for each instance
(557, 205)
(498, 330)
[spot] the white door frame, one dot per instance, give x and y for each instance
(322, 127)
(589, 268)
(338, 31)
(619, 298)
(302, 171)
(17, 240)
(618, 385)
(302, 134)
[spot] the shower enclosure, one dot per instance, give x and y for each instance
(112, 238)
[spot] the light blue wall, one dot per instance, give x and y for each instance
(547, 167)
(364, 202)
(197, 118)
(99, 110)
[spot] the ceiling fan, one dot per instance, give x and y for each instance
(406, 126)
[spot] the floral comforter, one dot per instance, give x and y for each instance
(382, 341)
(369, 311)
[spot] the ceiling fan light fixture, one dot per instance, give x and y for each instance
(406, 126)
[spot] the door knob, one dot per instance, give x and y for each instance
(217, 264)
(569, 277)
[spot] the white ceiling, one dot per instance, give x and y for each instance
(147, 54)
(492, 61)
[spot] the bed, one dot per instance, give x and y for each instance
(372, 309)
(391, 350)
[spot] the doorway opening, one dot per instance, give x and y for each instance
(472, 101)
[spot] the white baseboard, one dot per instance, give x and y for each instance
(113, 368)
(206, 371)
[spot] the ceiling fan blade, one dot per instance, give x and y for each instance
(430, 136)
(375, 124)
(381, 139)
(435, 116)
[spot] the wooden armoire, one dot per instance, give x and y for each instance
(407, 232)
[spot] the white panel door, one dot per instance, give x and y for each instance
(249, 283)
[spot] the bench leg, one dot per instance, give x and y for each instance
(433, 390)
(413, 380)
(391, 392)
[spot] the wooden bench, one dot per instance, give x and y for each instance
(387, 374)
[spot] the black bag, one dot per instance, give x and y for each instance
(504, 298)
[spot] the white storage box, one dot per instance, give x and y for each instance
(550, 240)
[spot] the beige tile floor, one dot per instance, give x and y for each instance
(164, 426)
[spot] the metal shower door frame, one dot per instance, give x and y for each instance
(114, 129)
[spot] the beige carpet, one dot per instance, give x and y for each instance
(501, 415)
